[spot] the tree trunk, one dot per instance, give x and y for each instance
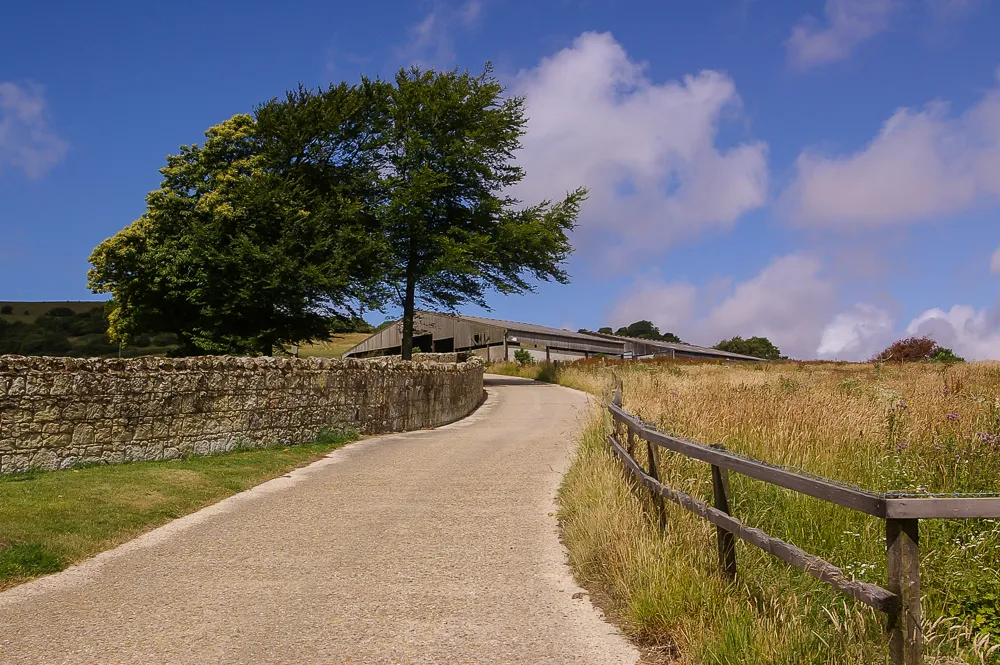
(408, 306)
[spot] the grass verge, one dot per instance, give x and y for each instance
(50, 520)
(917, 428)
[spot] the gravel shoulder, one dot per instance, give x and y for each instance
(437, 546)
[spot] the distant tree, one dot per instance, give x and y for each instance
(453, 230)
(7, 310)
(385, 324)
(523, 357)
(605, 330)
(758, 347)
(60, 312)
(646, 330)
(914, 349)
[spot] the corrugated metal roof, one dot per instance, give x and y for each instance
(691, 348)
(515, 326)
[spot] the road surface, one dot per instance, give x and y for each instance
(436, 546)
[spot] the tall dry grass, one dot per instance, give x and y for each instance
(916, 428)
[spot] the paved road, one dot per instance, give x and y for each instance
(428, 547)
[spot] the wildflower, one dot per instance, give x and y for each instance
(952, 416)
(901, 446)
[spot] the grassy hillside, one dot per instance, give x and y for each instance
(335, 347)
(918, 428)
(27, 312)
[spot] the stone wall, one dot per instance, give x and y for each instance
(59, 412)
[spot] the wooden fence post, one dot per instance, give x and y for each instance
(654, 472)
(902, 559)
(723, 501)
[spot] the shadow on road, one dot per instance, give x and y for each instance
(498, 380)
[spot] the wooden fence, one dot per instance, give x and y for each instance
(900, 600)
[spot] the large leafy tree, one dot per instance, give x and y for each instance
(257, 237)
(452, 229)
(758, 347)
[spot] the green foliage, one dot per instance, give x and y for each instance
(645, 330)
(453, 231)
(79, 334)
(523, 357)
(606, 330)
(547, 372)
(256, 237)
(60, 312)
(758, 347)
(7, 310)
(942, 355)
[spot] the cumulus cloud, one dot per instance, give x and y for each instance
(26, 141)
(787, 302)
(971, 333)
(431, 42)
(646, 150)
(856, 334)
(848, 24)
(924, 164)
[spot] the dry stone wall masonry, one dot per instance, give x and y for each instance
(56, 413)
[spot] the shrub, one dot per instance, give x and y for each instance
(548, 372)
(917, 348)
(758, 347)
(7, 309)
(942, 355)
(523, 357)
(60, 312)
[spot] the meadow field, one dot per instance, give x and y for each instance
(919, 428)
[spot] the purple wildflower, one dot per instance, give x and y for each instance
(952, 416)
(901, 446)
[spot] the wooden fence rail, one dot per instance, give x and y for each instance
(900, 600)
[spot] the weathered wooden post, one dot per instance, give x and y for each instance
(902, 563)
(654, 471)
(723, 501)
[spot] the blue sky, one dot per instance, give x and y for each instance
(824, 173)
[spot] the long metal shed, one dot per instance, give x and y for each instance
(648, 348)
(492, 339)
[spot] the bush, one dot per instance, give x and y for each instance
(943, 355)
(917, 348)
(523, 357)
(548, 372)
(60, 312)
(7, 310)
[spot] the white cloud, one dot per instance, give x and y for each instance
(995, 261)
(646, 150)
(922, 165)
(856, 334)
(971, 333)
(26, 141)
(848, 24)
(431, 41)
(787, 302)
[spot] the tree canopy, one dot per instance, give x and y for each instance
(915, 349)
(758, 347)
(452, 229)
(644, 330)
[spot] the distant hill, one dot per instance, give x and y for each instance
(27, 312)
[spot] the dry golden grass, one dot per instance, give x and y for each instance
(334, 347)
(916, 428)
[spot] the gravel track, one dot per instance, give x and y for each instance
(436, 546)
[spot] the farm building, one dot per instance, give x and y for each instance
(495, 339)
